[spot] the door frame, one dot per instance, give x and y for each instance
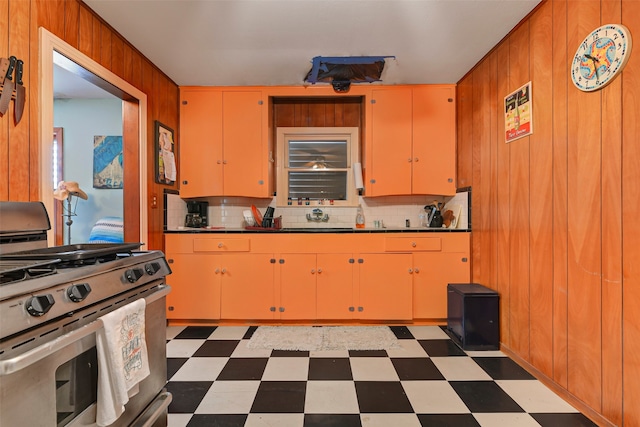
(134, 114)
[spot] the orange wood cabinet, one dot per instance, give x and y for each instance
(246, 290)
(223, 149)
(335, 290)
(384, 286)
(195, 288)
(412, 141)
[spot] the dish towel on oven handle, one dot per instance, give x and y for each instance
(122, 359)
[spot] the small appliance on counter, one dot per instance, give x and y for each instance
(196, 214)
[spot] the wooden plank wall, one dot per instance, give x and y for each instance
(555, 213)
(75, 23)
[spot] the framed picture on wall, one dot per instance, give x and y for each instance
(517, 114)
(165, 160)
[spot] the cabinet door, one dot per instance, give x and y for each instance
(195, 288)
(391, 156)
(246, 286)
(298, 274)
(245, 157)
(432, 273)
(434, 140)
(385, 282)
(335, 286)
(200, 143)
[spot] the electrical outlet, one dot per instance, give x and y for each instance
(154, 201)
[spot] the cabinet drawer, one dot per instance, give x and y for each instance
(412, 244)
(221, 245)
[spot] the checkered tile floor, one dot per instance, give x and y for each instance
(217, 381)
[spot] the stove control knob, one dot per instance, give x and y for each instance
(152, 268)
(133, 274)
(38, 305)
(78, 293)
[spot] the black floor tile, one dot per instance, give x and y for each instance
(503, 368)
(173, 364)
(382, 397)
(419, 368)
(324, 369)
(447, 420)
(564, 420)
(402, 332)
(368, 353)
(249, 333)
(283, 397)
(187, 395)
(216, 348)
(441, 348)
(484, 396)
(289, 353)
(196, 332)
(217, 420)
(331, 420)
(243, 369)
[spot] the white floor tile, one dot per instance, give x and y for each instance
(274, 420)
(331, 397)
(229, 333)
(408, 348)
(434, 397)
(243, 351)
(428, 333)
(200, 369)
(229, 397)
(533, 396)
(460, 368)
(286, 369)
(183, 348)
(173, 331)
(517, 419)
(373, 369)
(330, 353)
(388, 420)
(178, 420)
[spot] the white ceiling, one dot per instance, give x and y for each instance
(272, 42)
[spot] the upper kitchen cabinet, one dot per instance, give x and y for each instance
(411, 148)
(434, 140)
(223, 144)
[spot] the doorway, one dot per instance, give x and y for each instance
(56, 52)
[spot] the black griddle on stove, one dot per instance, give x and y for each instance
(77, 252)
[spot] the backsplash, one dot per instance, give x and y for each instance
(392, 211)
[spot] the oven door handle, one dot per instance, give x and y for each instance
(30, 357)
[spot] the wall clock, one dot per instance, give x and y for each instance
(601, 57)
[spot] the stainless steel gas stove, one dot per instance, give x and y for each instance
(50, 301)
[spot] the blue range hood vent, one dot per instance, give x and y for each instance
(341, 71)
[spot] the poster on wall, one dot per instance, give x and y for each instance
(517, 114)
(107, 162)
(165, 159)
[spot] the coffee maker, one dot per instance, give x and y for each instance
(197, 214)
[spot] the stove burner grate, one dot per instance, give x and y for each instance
(18, 270)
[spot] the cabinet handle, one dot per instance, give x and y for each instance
(313, 271)
(224, 270)
(416, 270)
(409, 160)
(220, 245)
(224, 162)
(185, 182)
(170, 260)
(219, 161)
(450, 180)
(410, 271)
(413, 244)
(319, 271)
(217, 271)
(416, 159)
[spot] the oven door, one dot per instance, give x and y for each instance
(55, 383)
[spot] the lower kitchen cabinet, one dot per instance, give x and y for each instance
(432, 272)
(334, 295)
(195, 287)
(246, 286)
(298, 274)
(385, 287)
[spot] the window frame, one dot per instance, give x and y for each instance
(285, 134)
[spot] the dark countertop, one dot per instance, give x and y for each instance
(314, 230)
